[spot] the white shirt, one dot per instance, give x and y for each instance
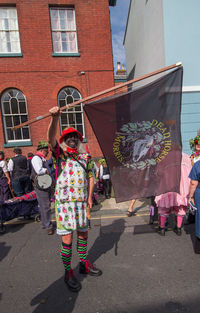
(11, 164)
(101, 175)
(3, 165)
(37, 165)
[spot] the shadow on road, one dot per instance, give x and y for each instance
(144, 229)
(189, 306)
(12, 228)
(190, 230)
(4, 250)
(57, 298)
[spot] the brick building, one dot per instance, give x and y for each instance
(52, 52)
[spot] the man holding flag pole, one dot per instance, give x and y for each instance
(73, 194)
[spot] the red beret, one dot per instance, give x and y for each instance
(69, 130)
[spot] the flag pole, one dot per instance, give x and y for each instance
(69, 106)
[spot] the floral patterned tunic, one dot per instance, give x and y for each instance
(71, 191)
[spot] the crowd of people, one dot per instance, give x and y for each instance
(14, 175)
(17, 173)
(76, 181)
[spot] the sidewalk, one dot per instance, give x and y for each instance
(110, 207)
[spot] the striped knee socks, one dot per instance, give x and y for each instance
(66, 255)
(82, 248)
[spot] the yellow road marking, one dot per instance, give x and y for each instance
(116, 216)
(92, 218)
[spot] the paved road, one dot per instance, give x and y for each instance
(142, 272)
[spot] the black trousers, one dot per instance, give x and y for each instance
(107, 187)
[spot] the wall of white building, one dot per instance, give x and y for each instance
(144, 37)
(160, 33)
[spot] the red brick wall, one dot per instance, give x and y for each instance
(40, 76)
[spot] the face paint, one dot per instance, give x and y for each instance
(71, 140)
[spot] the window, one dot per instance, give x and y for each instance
(14, 110)
(72, 117)
(63, 26)
(9, 31)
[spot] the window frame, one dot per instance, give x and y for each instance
(19, 114)
(11, 53)
(60, 31)
(81, 111)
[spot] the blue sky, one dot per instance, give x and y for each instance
(118, 15)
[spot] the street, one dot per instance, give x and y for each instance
(142, 271)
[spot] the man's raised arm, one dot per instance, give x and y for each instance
(52, 129)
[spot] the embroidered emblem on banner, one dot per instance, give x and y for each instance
(142, 144)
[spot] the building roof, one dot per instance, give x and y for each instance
(112, 2)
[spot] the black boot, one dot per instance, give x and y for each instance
(161, 231)
(71, 281)
(197, 245)
(178, 231)
(86, 267)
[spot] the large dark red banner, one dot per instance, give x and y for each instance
(139, 134)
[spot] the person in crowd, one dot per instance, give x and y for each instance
(175, 202)
(104, 175)
(52, 172)
(153, 211)
(4, 179)
(99, 183)
(130, 209)
(95, 170)
(195, 147)
(194, 197)
(43, 195)
(51, 169)
(17, 166)
(74, 187)
(95, 175)
(30, 155)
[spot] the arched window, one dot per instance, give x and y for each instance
(74, 116)
(14, 111)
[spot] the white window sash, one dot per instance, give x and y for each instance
(7, 128)
(76, 96)
(9, 31)
(69, 45)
